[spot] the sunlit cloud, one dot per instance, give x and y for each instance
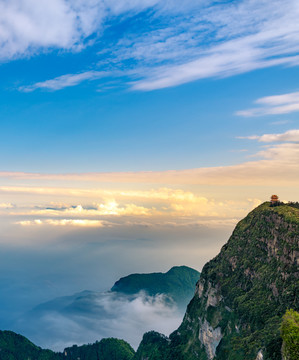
(63, 222)
(273, 105)
(111, 214)
(150, 206)
(288, 136)
(6, 206)
(111, 208)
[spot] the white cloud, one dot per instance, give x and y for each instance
(29, 26)
(237, 37)
(288, 136)
(64, 81)
(186, 41)
(274, 105)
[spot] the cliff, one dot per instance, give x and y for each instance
(243, 292)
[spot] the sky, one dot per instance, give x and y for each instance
(135, 134)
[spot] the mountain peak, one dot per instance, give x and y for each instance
(244, 291)
(178, 283)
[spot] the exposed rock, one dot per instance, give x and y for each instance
(209, 337)
(199, 288)
(274, 289)
(213, 296)
(259, 356)
(243, 292)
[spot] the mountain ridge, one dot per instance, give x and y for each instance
(242, 293)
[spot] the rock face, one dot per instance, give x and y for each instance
(209, 337)
(243, 292)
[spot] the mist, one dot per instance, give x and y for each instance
(90, 316)
(45, 265)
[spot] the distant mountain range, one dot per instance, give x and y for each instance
(135, 304)
(235, 313)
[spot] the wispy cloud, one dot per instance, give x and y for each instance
(273, 105)
(288, 136)
(233, 38)
(64, 81)
(178, 42)
(280, 122)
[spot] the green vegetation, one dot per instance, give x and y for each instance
(290, 335)
(244, 291)
(106, 349)
(17, 347)
(240, 307)
(152, 347)
(179, 283)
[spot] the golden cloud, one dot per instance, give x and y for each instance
(64, 222)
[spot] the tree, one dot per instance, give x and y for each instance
(290, 335)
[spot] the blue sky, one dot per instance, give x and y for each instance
(144, 128)
(140, 85)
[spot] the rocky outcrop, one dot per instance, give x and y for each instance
(209, 337)
(242, 293)
(259, 355)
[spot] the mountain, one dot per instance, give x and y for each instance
(17, 347)
(242, 294)
(106, 349)
(178, 283)
(156, 292)
(137, 303)
(239, 310)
